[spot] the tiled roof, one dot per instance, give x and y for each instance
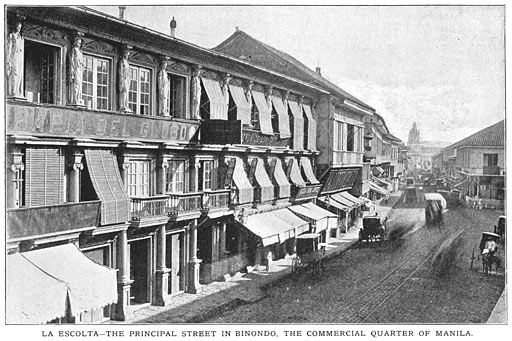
(243, 46)
(493, 136)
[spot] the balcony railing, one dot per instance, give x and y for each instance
(218, 199)
(344, 157)
(183, 203)
(27, 222)
(491, 170)
(150, 207)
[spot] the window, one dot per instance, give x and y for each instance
(177, 96)
(175, 182)
(138, 178)
(40, 69)
(490, 160)
(255, 116)
(95, 83)
(275, 120)
(350, 137)
(205, 175)
(140, 90)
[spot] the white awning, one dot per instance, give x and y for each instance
(32, 296)
(295, 176)
(308, 170)
(218, 103)
(298, 125)
(311, 127)
(376, 188)
(267, 188)
(245, 189)
(284, 120)
(264, 113)
(338, 205)
(90, 285)
(280, 178)
(323, 219)
(243, 107)
(348, 196)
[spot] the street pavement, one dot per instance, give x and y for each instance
(218, 297)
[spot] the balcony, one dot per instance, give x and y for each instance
(305, 193)
(491, 170)
(149, 208)
(347, 158)
(190, 205)
(49, 221)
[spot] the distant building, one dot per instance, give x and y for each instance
(421, 152)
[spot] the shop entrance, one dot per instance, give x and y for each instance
(175, 260)
(140, 270)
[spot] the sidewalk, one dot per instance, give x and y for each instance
(499, 313)
(241, 289)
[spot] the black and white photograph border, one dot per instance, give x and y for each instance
(244, 170)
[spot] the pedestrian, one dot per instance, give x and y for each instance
(269, 260)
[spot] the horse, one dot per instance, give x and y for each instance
(489, 257)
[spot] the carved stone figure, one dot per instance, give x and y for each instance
(124, 82)
(76, 72)
(196, 93)
(248, 94)
(15, 51)
(163, 90)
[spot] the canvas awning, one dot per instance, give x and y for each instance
(284, 120)
(322, 218)
(376, 188)
(267, 188)
(269, 226)
(336, 204)
(380, 182)
(89, 285)
(264, 113)
(344, 201)
(294, 222)
(378, 169)
(350, 197)
(295, 176)
(308, 170)
(218, 103)
(243, 107)
(32, 296)
(311, 127)
(276, 167)
(106, 180)
(245, 189)
(298, 125)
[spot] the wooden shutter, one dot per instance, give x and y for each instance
(44, 176)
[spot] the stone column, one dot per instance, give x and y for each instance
(162, 273)
(14, 180)
(76, 166)
(161, 176)
(194, 174)
(123, 277)
(193, 263)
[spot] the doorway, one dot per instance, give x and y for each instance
(140, 270)
(175, 260)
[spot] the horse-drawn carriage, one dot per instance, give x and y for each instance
(500, 228)
(411, 195)
(489, 252)
(310, 254)
(372, 229)
(434, 206)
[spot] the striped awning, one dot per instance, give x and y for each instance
(376, 188)
(311, 127)
(277, 170)
(348, 196)
(284, 120)
(218, 103)
(267, 188)
(106, 180)
(298, 125)
(295, 176)
(308, 170)
(264, 113)
(245, 189)
(342, 200)
(336, 204)
(243, 108)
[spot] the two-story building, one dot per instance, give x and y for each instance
(140, 166)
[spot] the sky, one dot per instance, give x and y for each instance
(442, 67)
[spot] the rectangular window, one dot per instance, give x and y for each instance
(340, 135)
(140, 90)
(138, 178)
(41, 63)
(95, 83)
(177, 96)
(205, 175)
(350, 137)
(175, 182)
(490, 160)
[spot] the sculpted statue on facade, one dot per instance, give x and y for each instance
(14, 59)
(196, 93)
(124, 82)
(163, 90)
(77, 65)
